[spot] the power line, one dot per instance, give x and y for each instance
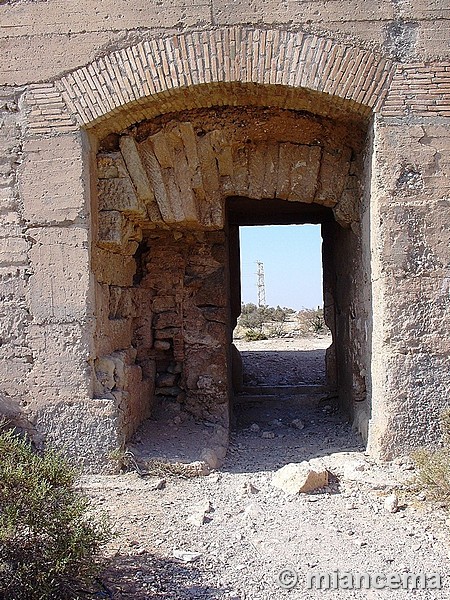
(261, 284)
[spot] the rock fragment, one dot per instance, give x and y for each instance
(297, 478)
(391, 503)
(186, 555)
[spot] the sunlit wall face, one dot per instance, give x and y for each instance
(292, 259)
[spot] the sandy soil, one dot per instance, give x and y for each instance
(229, 535)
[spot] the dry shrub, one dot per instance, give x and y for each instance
(262, 322)
(312, 321)
(434, 465)
(49, 544)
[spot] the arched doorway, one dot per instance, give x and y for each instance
(171, 193)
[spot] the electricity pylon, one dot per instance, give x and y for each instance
(261, 284)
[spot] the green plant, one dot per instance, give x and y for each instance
(312, 320)
(318, 324)
(49, 543)
(434, 465)
(261, 322)
(252, 335)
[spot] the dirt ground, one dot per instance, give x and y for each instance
(284, 361)
(231, 534)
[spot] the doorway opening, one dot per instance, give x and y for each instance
(281, 333)
(266, 334)
(173, 194)
(283, 381)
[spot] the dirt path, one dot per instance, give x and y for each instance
(285, 361)
(239, 532)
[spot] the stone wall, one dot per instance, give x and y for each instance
(73, 75)
(54, 37)
(16, 356)
(161, 257)
(164, 333)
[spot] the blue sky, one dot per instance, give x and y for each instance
(292, 260)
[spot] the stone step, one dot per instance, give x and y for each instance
(267, 393)
(288, 390)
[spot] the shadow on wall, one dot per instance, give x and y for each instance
(11, 414)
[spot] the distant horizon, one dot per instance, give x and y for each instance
(292, 259)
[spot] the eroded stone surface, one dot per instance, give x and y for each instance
(345, 108)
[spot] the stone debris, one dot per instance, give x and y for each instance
(186, 556)
(298, 424)
(158, 484)
(209, 456)
(199, 516)
(298, 478)
(204, 506)
(249, 488)
(197, 519)
(253, 512)
(268, 435)
(391, 503)
(404, 462)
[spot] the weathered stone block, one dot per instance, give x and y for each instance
(111, 166)
(122, 303)
(300, 478)
(60, 368)
(87, 431)
(60, 196)
(112, 268)
(333, 175)
(14, 251)
(104, 377)
(163, 303)
(112, 335)
(59, 289)
(112, 234)
(15, 374)
(167, 319)
(119, 194)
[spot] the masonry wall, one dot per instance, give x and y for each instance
(162, 243)
(411, 293)
(55, 37)
(386, 61)
(163, 334)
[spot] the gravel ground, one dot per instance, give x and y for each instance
(229, 535)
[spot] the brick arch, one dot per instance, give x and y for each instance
(128, 79)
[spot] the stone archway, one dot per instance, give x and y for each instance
(161, 256)
(96, 108)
